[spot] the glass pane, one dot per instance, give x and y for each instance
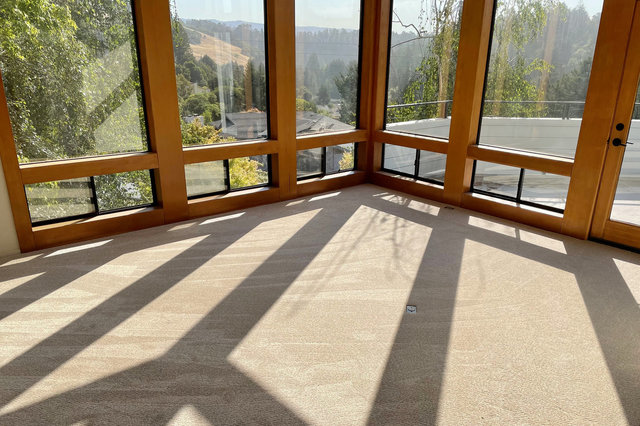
(219, 53)
(541, 55)
(626, 206)
(432, 165)
(124, 190)
(545, 189)
(496, 179)
(60, 199)
(309, 162)
(249, 171)
(327, 52)
(399, 159)
(205, 178)
(71, 79)
(340, 158)
(422, 66)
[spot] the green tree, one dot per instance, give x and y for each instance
(304, 105)
(347, 85)
(347, 161)
(517, 22)
(245, 172)
(197, 133)
(323, 95)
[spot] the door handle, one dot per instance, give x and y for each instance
(618, 142)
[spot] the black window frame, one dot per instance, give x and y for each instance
(94, 201)
(323, 166)
(518, 198)
(227, 179)
(416, 174)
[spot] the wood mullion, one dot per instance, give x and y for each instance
(153, 22)
(513, 211)
(369, 33)
(411, 141)
(408, 185)
(13, 178)
(282, 92)
(216, 204)
(202, 154)
(475, 34)
(73, 231)
(530, 161)
(86, 167)
(378, 85)
(331, 139)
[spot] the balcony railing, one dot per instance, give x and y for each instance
(564, 110)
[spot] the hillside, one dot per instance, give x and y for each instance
(221, 52)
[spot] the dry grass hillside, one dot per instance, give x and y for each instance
(218, 50)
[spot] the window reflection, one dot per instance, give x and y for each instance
(221, 70)
(539, 69)
(327, 73)
(422, 66)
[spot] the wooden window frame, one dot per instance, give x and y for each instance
(167, 157)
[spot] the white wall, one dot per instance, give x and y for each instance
(8, 237)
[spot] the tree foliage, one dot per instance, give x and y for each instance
(541, 51)
(347, 85)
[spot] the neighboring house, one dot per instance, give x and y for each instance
(243, 125)
(308, 122)
(191, 118)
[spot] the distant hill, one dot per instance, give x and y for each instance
(258, 26)
(218, 50)
(234, 24)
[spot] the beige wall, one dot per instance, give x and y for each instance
(8, 237)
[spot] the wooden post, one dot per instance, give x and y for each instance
(282, 93)
(379, 86)
(15, 187)
(153, 22)
(475, 33)
(370, 36)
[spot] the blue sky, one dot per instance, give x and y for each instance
(318, 13)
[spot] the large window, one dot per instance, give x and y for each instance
(71, 76)
(327, 65)
(539, 69)
(70, 71)
(221, 70)
(423, 51)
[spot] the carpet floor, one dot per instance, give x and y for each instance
(296, 313)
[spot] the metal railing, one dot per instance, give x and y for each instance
(518, 109)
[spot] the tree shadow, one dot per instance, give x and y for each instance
(411, 387)
(196, 372)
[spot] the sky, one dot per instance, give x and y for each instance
(315, 13)
(408, 10)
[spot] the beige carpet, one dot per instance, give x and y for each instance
(294, 313)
